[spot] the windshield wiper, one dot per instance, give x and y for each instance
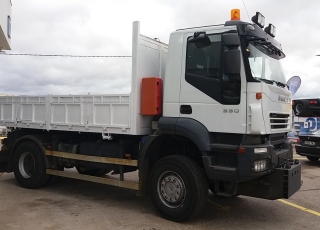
(278, 83)
(265, 80)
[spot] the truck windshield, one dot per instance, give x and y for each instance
(263, 66)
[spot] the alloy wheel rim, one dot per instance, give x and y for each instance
(26, 165)
(171, 189)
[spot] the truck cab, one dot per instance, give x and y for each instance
(225, 89)
(234, 80)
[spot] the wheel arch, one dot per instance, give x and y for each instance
(191, 130)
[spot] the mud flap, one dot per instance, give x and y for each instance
(283, 183)
(4, 160)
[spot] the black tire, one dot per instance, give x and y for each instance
(90, 171)
(312, 158)
(29, 166)
(178, 188)
(301, 108)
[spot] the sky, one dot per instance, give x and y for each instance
(99, 27)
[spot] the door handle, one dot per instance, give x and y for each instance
(185, 109)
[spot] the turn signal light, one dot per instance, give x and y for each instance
(258, 96)
(235, 14)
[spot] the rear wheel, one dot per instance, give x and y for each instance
(301, 108)
(29, 166)
(313, 158)
(178, 188)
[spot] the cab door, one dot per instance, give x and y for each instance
(208, 94)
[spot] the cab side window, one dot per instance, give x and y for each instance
(203, 67)
(204, 71)
(205, 61)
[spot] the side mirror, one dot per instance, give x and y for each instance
(200, 39)
(232, 60)
(231, 40)
(232, 56)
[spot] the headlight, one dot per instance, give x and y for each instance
(261, 165)
(271, 29)
(258, 19)
(260, 150)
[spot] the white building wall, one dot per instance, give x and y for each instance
(5, 25)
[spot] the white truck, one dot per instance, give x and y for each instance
(204, 113)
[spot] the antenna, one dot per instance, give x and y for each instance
(246, 10)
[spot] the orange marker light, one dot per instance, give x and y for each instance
(258, 96)
(235, 14)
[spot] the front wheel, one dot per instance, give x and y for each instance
(29, 166)
(313, 158)
(178, 188)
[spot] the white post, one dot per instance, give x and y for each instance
(135, 81)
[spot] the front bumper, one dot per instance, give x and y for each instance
(307, 151)
(233, 172)
(314, 108)
(283, 183)
(242, 168)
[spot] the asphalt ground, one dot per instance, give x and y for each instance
(74, 204)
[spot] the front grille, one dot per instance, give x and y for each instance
(279, 120)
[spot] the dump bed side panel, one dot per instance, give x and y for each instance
(114, 114)
(81, 113)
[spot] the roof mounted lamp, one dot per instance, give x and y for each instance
(271, 30)
(235, 14)
(258, 19)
